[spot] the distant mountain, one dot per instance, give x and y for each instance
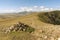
(7, 16)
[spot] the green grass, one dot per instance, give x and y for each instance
(17, 36)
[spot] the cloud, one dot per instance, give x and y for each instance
(35, 7)
(21, 9)
(7, 11)
(42, 7)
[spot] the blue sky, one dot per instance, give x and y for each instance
(18, 3)
(13, 4)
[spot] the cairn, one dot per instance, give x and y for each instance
(17, 27)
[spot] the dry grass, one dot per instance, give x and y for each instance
(44, 31)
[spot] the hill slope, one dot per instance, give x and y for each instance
(43, 31)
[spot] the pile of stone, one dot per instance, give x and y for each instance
(18, 27)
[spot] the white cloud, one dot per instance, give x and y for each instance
(24, 9)
(7, 11)
(34, 8)
(47, 9)
(42, 7)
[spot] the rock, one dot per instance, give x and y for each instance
(59, 38)
(45, 37)
(11, 27)
(52, 38)
(19, 27)
(38, 39)
(7, 31)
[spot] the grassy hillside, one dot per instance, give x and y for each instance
(50, 17)
(44, 28)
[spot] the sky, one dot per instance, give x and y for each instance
(28, 5)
